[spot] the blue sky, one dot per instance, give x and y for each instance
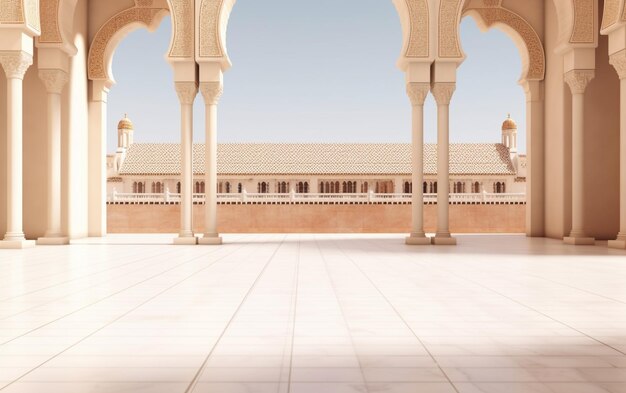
(304, 74)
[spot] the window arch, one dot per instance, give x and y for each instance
(408, 187)
(306, 187)
(240, 188)
(134, 187)
(425, 188)
(178, 188)
(365, 187)
(227, 187)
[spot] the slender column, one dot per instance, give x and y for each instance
(443, 95)
(417, 93)
(97, 215)
(578, 81)
(187, 92)
(618, 60)
(54, 80)
(535, 215)
(211, 91)
(15, 65)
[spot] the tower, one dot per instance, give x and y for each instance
(125, 130)
(509, 134)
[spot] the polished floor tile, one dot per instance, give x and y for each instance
(313, 313)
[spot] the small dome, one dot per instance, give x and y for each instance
(125, 124)
(509, 124)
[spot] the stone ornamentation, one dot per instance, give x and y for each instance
(443, 92)
(54, 80)
(212, 92)
(15, 63)
(187, 92)
(419, 31)
(618, 61)
(578, 80)
(210, 45)
(417, 92)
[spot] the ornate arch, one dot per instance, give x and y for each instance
(415, 21)
(145, 13)
(525, 37)
(20, 12)
(213, 16)
(614, 13)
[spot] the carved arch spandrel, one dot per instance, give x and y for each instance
(449, 17)
(535, 54)
(183, 28)
(210, 40)
(419, 31)
(16, 12)
(50, 29)
(98, 62)
(611, 14)
(584, 29)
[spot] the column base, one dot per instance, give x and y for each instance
(210, 240)
(53, 241)
(186, 241)
(579, 241)
(618, 244)
(16, 244)
(444, 240)
(417, 240)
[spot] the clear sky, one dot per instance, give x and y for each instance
(316, 71)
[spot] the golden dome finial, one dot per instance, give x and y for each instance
(125, 123)
(509, 124)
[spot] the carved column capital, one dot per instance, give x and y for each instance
(15, 63)
(417, 92)
(187, 92)
(443, 91)
(54, 80)
(212, 92)
(579, 79)
(618, 61)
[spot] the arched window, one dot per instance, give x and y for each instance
(407, 187)
(322, 187)
(476, 187)
(240, 188)
(228, 187)
(306, 187)
(332, 187)
(435, 188)
(196, 188)
(141, 188)
(459, 187)
(134, 187)
(425, 188)
(503, 187)
(498, 188)
(337, 189)
(202, 187)
(178, 188)
(344, 188)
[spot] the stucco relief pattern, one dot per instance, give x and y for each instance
(11, 11)
(419, 31)
(536, 54)
(15, 63)
(212, 92)
(32, 14)
(183, 14)
(579, 79)
(448, 28)
(210, 45)
(54, 80)
(50, 32)
(611, 13)
(618, 61)
(443, 92)
(97, 67)
(187, 92)
(584, 18)
(417, 92)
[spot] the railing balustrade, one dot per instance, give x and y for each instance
(311, 198)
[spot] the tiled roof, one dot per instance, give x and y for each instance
(318, 159)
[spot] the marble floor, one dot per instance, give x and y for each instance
(313, 314)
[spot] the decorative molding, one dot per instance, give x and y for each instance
(584, 22)
(417, 92)
(618, 61)
(54, 80)
(449, 15)
(443, 92)
(536, 53)
(183, 19)
(187, 92)
(210, 41)
(212, 92)
(419, 30)
(97, 63)
(31, 8)
(15, 63)
(578, 80)
(50, 32)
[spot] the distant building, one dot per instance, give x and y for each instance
(339, 168)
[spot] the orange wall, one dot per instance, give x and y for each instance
(316, 218)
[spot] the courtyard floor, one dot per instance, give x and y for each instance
(313, 314)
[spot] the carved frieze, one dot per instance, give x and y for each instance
(212, 92)
(54, 80)
(187, 92)
(11, 11)
(443, 92)
(578, 80)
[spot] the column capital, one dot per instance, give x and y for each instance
(212, 92)
(417, 92)
(578, 80)
(54, 80)
(187, 92)
(618, 61)
(15, 63)
(443, 91)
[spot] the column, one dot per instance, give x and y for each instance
(97, 214)
(187, 92)
(618, 60)
(54, 80)
(211, 91)
(417, 93)
(443, 94)
(535, 142)
(578, 81)
(15, 65)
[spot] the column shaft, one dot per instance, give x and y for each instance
(186, 209)
(418, 171)
(622, 135)
(14, 160)
(443, 169)
(54, 165)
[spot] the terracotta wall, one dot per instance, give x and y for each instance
(316, 218)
